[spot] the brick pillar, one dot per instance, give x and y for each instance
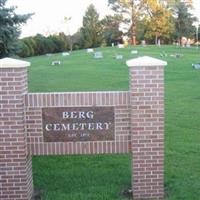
(15, 162)
(147, 127)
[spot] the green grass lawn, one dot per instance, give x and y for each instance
(105, 177)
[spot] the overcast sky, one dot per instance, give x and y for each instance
(49, 14)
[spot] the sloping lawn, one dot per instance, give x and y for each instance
(104, 177)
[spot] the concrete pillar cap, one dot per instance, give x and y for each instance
(13, 63)
(145, 61)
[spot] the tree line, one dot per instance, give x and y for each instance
(149, 20)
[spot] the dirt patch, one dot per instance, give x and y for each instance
(37, 195)
(127, 193)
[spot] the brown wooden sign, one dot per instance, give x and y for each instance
(62, 124)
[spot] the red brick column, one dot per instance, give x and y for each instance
(15, 162)
(147, 127)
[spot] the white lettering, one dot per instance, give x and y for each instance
(107, 125)
(82, 126)
(66, 115)
(81, 115)
(75, 127)
(99, 126)
(78, 126)
(56, 127)
(91, 126)
(73, 115)
(90, 115)
(65, 127)
(48, 127)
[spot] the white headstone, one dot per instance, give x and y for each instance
(172, 55)
(178, 55)
(65, 54)
(188, 43)
(143, 43)
(98, 55)
(134, 52)
(183, 41)
(120, 46)
(56, 62)
(119, 57)
(196, 66)
(158, 42)
(90, 50)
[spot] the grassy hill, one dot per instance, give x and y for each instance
(105, 177)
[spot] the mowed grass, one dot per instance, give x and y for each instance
(104, 177)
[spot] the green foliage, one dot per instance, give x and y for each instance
(111, 31)
(10, 29)
(40, 45)
(58, 43)
(183, 21)
(156, 17)
(76, 38)
(91, 32)
(65, 41)
(24, 49)
(158, 21)
(130, 10)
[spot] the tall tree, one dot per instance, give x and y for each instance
(111, 30)
(183, 20)
(130, 11)
(92, 28)
(10, 23)
(134, 11)
(158, 20)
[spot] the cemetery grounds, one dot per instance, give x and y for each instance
(106, 177)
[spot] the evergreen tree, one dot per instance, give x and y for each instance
(9, 28)
(111, 31)
(183, 21)
(130, 10)
(92, 30)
